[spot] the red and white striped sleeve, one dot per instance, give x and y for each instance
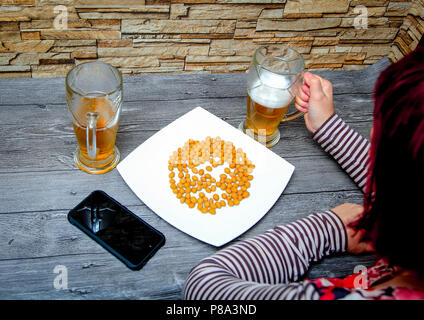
(346, 146)
(266, 266)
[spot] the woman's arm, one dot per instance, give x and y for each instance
(348, 148)
(265, 267)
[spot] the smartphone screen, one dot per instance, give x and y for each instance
(117, 229)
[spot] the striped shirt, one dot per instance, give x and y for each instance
(346, 146)
(270, 265)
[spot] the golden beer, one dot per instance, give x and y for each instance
(262, 117)
(106, 129)
(274, 77)
(94, 98)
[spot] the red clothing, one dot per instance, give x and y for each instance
(360, 286)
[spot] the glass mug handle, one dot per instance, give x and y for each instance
(91, 134)
(292, 115)
(295, 87)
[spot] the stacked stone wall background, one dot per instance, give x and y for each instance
(198, 36)
(409, 33)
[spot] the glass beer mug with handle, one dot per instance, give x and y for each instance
(94, 98)
(275, 76)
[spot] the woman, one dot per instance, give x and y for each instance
(390, 173)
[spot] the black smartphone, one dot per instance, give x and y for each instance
(117, 229)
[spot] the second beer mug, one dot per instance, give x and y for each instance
(94, 97)
(274, 77)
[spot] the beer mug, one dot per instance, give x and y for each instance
(275, 75)
(94, 98)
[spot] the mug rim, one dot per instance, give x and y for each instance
(118, 87)
(299, 57)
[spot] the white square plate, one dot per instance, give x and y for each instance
(145, 171)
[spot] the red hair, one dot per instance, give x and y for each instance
(394, 194)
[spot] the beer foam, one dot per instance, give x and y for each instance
(274, 80)
(270, 89)
(270, 97)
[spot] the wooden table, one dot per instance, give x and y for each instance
(40, 183)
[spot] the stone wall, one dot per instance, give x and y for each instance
(409, 33)
(175, 36)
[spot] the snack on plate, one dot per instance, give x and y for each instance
(191, 174)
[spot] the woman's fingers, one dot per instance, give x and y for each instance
(364, 247)
(302, 98)
(356, 217)
(349, 212)
(316, 91)
(303, 95)
(301, 105)
(327, 87)
(315, 84)
(301, 109)
(355, 243)
(305, 88)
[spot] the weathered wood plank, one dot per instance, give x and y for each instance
(92, 276)
(35, 191)
(49, 240)
(46, 133)
(48, 232)
(176, 87)
(31, 154)
(153, 115)
(96, 276)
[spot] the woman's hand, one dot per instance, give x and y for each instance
(351, 214)
(315, 99)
